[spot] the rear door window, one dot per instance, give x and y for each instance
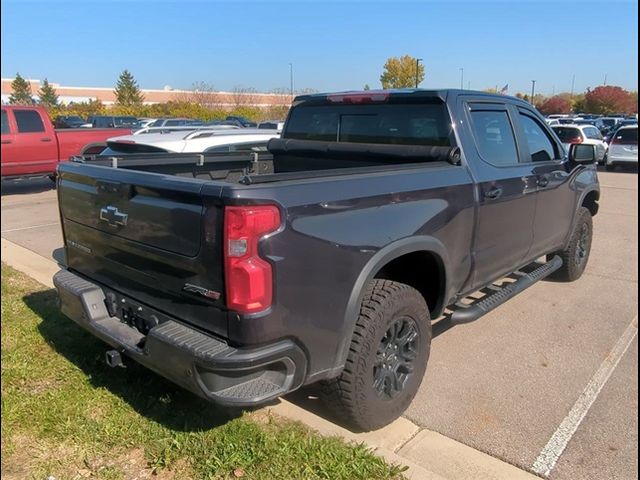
(28, 121)
(494, 137)
(627, 136)
(568, 134)
(593, 133)
(5, 122)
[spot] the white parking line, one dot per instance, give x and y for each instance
(29, 228)
(559, 440)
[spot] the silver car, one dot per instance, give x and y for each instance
(623, 148)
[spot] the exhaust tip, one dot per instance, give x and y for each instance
(114, 359)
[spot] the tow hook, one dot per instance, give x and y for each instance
(114, 359)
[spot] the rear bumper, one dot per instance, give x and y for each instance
(616, 160)
(202, 364)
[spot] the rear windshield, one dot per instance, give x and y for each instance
(392, 124)
(627, 136)
(566, 135)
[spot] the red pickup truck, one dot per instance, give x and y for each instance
(32, 147)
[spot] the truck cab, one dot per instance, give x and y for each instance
(29, 142)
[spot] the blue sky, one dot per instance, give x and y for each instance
(332, 46)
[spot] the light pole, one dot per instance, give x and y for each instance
(291, 79)
(533, 91)
(573, 83)
(418, 60)
(461, 78)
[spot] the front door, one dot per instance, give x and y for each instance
(31, 148)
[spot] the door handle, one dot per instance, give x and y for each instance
(543, 180)
(494, 193)
(45, 139)
(5, 141)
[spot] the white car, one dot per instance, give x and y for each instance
(587, 134)
(195, 141)
(623, 149)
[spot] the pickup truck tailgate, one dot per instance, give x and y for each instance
(152, 237)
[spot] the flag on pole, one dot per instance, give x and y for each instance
(505, 88)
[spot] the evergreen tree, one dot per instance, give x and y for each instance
(21, 92)
(48, 95)
(127, 91)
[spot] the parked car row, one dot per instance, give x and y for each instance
(607, 125)
(118, 121)
(32, 147)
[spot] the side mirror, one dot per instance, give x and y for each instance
(582, 153)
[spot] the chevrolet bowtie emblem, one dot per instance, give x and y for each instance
(113, 216)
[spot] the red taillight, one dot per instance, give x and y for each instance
(249, 278)
(360, 97)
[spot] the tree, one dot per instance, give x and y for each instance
(127, 91)
(204, 94)
(244, 96)
(366, 87)
(20, 92)
(609, 99)
(48, 95)
(402, 72)
(556, 104)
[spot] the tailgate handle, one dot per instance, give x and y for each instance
(113, 216)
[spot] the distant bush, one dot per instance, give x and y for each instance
(172, 109)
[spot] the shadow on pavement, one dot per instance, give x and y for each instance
(620, 169)
(58, 256)
(149, 394)
(26, 186)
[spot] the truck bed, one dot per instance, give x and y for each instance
(287, 159)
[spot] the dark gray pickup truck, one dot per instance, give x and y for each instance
(243, 276)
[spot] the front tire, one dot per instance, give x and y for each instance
(576, 256)
(387, 357)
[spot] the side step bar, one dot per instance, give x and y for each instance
(474, 311)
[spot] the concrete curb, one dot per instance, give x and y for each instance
(428, 455)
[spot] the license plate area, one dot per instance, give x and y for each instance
(132, 313)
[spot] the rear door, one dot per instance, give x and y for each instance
(506, 190)
(31, 148)
(146, 235)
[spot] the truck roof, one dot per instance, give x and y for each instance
(415, 93)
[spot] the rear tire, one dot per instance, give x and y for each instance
(387, 357)
(576, 256)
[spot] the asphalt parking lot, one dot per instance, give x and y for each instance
(557, 363)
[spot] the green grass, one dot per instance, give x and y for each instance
(66, 414)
